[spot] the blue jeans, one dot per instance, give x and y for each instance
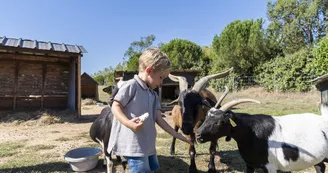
(143, 164)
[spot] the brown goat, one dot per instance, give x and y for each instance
(190, 113)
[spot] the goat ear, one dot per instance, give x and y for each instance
(206, 103)
(233, 124)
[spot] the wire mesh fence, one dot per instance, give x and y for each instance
(273, 83)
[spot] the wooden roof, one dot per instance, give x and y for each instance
(321, 82)
(87, 80)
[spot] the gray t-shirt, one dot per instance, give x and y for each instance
(136, 98)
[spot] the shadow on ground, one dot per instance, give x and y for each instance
(234, 162)
(45, 167)
(173, 164)
(45, 116)
(167, 165)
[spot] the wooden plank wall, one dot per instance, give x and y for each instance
(56, 86)
(33, 84)
(7, 81)
(89, 91)
(29, 86)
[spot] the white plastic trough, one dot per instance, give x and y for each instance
(83, 159)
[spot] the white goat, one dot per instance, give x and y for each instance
(286, 143)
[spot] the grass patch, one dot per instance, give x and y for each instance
(82, 135)
(94, 145)
(275, 103)
(33, 162)
(63, 139)
(55, 131)
(8, 149)
(164, 135)
(41, 147)
(103, 97)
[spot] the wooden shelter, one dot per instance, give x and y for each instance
(89, 87)
(36, 75)
(170, 89)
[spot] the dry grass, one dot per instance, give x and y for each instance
(274, 103)
(103, 97)
(88, 102)
(43, 117)
(37, 141)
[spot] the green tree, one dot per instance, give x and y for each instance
(242, 45)
(320, 64)
(119, 67)
(185, 54)
(105, 76)
(295, 24)
(135, 50)
(100, 79)
(289, 73)
(209, 52)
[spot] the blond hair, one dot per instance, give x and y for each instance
(155, 58)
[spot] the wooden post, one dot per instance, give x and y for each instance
(97, 94)
(15, 85)
(44, 72)
(78, 86)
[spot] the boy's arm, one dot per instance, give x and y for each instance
(134, 124)
(165, 126)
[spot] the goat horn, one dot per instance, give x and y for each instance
(200, 84)
(174, 101)
(183, 84)
(229, 105)
(222, 97)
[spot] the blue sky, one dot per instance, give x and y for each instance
(106, 28)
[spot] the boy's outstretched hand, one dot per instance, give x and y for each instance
(184, 139)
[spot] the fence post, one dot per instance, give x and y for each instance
(274, 84)
(233, 83)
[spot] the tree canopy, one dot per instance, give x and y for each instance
(185, 54)
(242, 45)
(290, 50)
(297, 23)
(135, 50)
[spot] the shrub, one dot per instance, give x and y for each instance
(320, 63)
(289, 73)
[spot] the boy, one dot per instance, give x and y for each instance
(130, 137)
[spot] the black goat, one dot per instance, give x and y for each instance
(190, 112)
(101, 128)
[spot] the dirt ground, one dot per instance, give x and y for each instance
(59, 135)
(51, 139)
